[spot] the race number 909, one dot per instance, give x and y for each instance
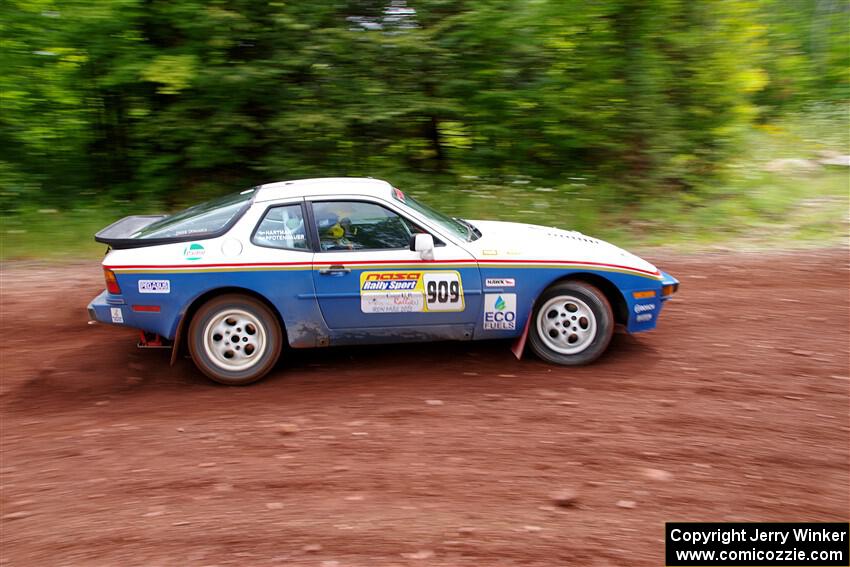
(443, 291)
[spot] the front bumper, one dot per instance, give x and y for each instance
(644, 310)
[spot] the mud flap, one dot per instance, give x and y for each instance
(175, 348)
(519, 345)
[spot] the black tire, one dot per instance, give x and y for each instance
(555, 323)
(223, 331)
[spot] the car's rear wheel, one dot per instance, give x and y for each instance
(235, 339)
(572, 325)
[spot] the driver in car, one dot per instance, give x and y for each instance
(336, 233)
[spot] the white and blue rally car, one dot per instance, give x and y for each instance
(323, 262)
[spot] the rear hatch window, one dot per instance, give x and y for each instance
(207, 220)
(204, 219)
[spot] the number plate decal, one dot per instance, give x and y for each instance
(411, 292)
(443, 291)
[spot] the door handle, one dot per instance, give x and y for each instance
(335, 270)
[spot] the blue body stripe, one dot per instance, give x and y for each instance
(315, 307)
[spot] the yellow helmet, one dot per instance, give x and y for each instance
(336, 231)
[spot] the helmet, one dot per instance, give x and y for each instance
(327, 221)
(336, 231)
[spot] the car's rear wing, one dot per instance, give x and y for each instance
(119, 234)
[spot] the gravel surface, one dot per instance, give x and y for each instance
(455, 454)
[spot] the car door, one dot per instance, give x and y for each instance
(279, 266)
(366, 276)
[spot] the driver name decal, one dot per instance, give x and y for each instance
(411, 292)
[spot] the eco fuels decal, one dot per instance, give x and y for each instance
(499, 311)
(411, 292)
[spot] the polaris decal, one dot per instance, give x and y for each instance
(499, 311)
(641, 307)
(411, 292)
(154, 286)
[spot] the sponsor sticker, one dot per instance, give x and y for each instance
(389, 281)
(117, 315)
(401, 302)
(154, 286)
(643, 317)
(642, 307)
(194, 252)
(411, 292)
(499, 311)
(500, 282)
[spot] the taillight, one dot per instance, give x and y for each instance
(111, 282)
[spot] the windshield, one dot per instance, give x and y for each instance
(203, 219)
(455, 226)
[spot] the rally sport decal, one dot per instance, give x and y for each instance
(411, 292)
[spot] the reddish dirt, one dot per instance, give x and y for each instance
(735, 409)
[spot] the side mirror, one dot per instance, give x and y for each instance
(424, 244)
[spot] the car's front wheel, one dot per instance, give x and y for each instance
(572, 325)
(235, 339)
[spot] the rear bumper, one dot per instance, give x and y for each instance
(114, 310)
(107, 308)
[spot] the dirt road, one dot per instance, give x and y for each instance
(440, 454)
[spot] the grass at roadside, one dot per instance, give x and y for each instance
(798, 204)
(51, 234)
(772, 210)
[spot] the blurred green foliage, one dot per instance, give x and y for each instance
(749, 206)
(165, 102)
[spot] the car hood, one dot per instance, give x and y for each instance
(519, 241)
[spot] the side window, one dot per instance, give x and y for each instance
(282, 227)
(354, 225)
